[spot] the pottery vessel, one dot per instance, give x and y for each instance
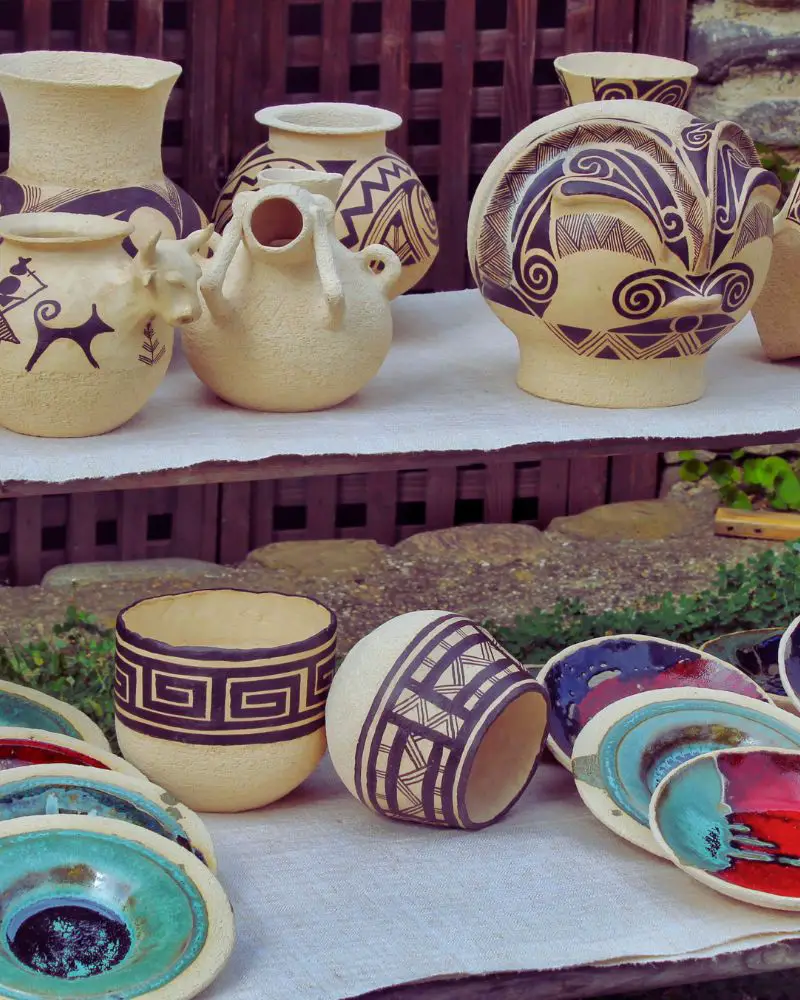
(292, 320)
(789, 662)
(220, 694)
(85, 137)
(584, 678)
(777, 309)
(729, 819)
(623, 754)
(619, 241)
(381, 200)
(86, 332)
(25, 747)
(755, 651)
(607, 76)
(151, 920)
(430, 720)
(23, 707)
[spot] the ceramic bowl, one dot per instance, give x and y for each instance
(220, 694)
(789, 662)
(603, 76)
(730, 820)
(26, 747)
(151, 921)
(755, 651)
(67, 789)
(24, 707)
(430, 720)
(625, 751)
(586, 677)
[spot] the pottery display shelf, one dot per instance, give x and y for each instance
(445, 396)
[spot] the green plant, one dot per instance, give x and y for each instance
(74, 662)
(760, 593)
(747, 481)
(772, 160)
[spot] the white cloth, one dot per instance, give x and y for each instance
(332, 901)
(447, 385)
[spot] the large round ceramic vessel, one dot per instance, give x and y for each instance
(86, 333)
(85, 136)
(381, 200)
(606, 76)
(220, 694)
(430, 720)
(619, 241)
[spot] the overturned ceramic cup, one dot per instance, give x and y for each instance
(430, 720)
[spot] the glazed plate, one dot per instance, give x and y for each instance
(585, 678)
(26, 747)
(24, 707)
(68, 789)
(731, 820)
(789, 661)
(755, 652)
(95, 908)
(627, 749)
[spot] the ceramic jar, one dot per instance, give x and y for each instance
(292, 320)
(381, 200)
(86, 333)
(85, 137)
(220, 694)
(430, 720)
(619, 241)
(605, 76)
(777, 309)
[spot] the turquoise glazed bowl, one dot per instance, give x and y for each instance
(27, 708)
(96, 908)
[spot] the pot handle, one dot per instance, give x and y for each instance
(389, 274)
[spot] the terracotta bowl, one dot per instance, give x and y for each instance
(25, 707)
(151, 920)
(730, 820)
(22, 747)
(755, 651)
(220, 694)
(430, 720)
(603, 76)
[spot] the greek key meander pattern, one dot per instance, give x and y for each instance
(692, 192)
(423, 723)
(199, 703)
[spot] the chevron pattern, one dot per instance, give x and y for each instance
(639, 345)
(757, 223)
(592, 231)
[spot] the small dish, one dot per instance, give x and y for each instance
(151, 920)
(585, 678)
(25, 747)
(755, 652)
(625, 751)
(25, 707)
(68, 789)
(731, 820)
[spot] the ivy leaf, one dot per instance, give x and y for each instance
(693, 470)
(788, 490)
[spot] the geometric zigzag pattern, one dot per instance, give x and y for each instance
(615, 345)
(583, 231)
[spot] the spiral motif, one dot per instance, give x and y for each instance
(641, 295)
(698, 135)
(734, 283)
(425, 214)
(537, 277)
(592, 164)
(613, 90)
(675, 93)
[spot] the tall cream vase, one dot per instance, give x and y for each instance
(85, 137)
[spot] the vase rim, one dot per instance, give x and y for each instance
(624, 65)
(88, 70)
(329, 118)
(61, 228)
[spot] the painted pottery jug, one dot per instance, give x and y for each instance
(777, 309)
(220, 694)
(381, 200)
(619, 241)
(292, 320)
(85, 137)
(430, 721)
(606, 76)
(86, 332)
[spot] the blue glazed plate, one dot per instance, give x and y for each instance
(23, 707)
(149, 918)
(754, 651)
(627, 749)
(68, 789)
(789, 661)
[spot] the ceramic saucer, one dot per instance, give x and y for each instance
(789, 661)
(150, 919)
(755, 652)
(25, 747)
(585, 678)
(67, 789)
(731, 820)
(628, 748)
(23, 706)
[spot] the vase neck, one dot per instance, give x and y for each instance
(84, 137)
(326, 147)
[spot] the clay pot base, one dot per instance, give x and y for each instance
(23, 707)
(731, 820)
(153, 922)
(27, 747)
(625, 751)
(56, 789)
